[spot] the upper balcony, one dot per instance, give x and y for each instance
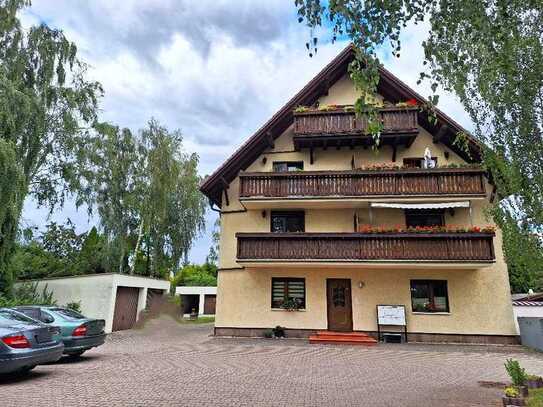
(340, 126)
(394, 183)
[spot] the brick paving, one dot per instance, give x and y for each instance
(167, 364)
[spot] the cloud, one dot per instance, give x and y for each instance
(215, 69)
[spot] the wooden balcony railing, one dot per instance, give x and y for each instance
(341, 121)
(358, 183)
(353, 247)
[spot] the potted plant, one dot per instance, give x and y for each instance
(512, 397)
(278, 332)
(268, 333)
(518, 376)
(533, 381)
(290, 304)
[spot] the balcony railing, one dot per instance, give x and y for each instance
(341, 121)
(358, 183)
(354, 247)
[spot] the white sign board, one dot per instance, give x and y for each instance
(391, 315)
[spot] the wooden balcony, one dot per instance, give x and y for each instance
(358, 183)
(342, 127)
(360, 247)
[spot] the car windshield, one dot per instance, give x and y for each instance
(68, 313)
(7, 316)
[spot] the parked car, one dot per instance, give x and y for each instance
(78, 332)
(25, 343)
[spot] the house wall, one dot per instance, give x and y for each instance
(480, 299)
(97, 293)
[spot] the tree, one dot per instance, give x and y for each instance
(46, 106)
(196, 275)
(114, 186)
(172, 210)
(489, 54)
(145, 190)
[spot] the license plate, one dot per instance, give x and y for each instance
(43, 337)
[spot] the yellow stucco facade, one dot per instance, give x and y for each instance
(479, 297)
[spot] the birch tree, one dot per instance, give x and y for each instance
(46, 108)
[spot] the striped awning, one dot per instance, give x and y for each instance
(438, 205)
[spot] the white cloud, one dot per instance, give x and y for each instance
(217, 70)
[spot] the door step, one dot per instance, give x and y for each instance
(342, 338)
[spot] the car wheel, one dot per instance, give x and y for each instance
(26, 369)
(76, 354)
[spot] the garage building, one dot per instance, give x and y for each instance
(116, 298)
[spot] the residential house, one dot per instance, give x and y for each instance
(319, 225)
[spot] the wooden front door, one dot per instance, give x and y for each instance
(340, 310)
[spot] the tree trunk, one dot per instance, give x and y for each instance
(136, 250)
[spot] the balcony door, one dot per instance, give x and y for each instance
(339, 304)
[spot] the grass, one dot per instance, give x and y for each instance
(199, 320)
(536, 398)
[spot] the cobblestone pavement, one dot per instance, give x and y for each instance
(168, 364)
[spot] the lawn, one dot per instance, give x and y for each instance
(536, 398)
(199, 320)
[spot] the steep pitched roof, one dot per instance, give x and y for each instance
(390, 87)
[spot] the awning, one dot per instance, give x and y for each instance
(440, 205)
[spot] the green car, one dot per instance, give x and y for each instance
(78, 333)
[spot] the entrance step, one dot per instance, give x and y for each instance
(342, 338)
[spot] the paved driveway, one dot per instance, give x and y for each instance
(168, 364)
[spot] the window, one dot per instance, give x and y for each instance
(68, 313)
(429, 296)
(8, 317)
(424, 217)
(418, 162)
(287, 166)
(282, 222)
(284, 289)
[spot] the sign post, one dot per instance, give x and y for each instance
(391, 315)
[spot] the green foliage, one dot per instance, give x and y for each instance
(516, 373)
(28, 294)
(59, 251)
(75, 306)
(524, 256)
(490, 55)
(196, 275)
(46, 107)
(268, 333)
(536, 398)
(145, 190)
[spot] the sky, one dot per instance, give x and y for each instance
(215, 69)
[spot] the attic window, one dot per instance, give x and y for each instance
(416, 162)
(287, 166)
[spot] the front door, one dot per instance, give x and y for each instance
(340, 310)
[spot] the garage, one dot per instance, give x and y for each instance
(154, 299)
(201, 299)
(209, 304)
(126, 308)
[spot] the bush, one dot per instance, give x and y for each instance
(268, 333)
(28, 294)
(516, 373)
(74, 306)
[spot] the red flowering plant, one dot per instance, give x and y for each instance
(370, 229)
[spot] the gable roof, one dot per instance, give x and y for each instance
(390, 87)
